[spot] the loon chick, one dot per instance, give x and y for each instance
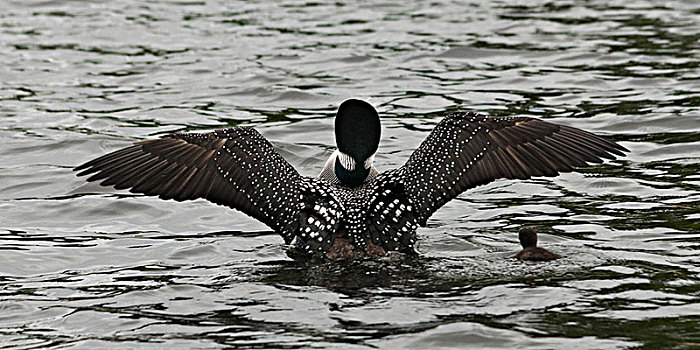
(531, 252)
(350, 210)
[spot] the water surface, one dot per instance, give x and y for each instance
(89, 267)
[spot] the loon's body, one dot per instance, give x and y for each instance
(350, 210)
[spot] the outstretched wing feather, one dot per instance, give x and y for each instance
(235, 167)
(466, 150)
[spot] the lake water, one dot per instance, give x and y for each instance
(83, 266)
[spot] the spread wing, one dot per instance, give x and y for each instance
(235, 167)
(466, 150)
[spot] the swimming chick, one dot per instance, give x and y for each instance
(350, 210)
(530, 252)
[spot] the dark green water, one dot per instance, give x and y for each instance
(88, 267)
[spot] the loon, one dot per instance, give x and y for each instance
(531, 252)
(350, 210)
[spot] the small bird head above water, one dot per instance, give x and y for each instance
(528, 237)
(357, 133)
(530, 252)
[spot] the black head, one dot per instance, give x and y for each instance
(528, 237)
(357, 129)
(357, 133)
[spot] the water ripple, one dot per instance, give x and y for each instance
(89, 267)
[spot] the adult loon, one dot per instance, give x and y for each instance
(350, 210)
(531, 252)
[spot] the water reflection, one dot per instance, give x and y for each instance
(87, 267)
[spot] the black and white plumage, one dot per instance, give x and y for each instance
(351, 210)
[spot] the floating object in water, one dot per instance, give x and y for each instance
(350, 210)
(531, 252)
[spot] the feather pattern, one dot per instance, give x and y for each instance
(235, 167)
(466, 150)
